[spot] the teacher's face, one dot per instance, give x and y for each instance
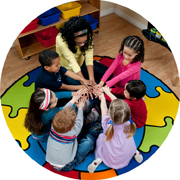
(81, 41)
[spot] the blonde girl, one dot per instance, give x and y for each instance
(115, 147)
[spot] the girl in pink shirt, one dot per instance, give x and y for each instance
(127, 64)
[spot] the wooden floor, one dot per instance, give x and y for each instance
(158, 60)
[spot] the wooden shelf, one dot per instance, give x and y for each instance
(27, 44)
(85, 9)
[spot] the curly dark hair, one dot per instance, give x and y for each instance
(73, 25)
(135, 43)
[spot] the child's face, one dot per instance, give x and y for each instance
(53, 101)
(54, 68)
(129, 53)
(126, 93)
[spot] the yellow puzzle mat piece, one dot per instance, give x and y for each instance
(165, 105)
(16, 126)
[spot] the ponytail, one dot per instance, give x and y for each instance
(130, 129)
(109, 133)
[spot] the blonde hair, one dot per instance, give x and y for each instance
(64, 120)
(119, 113)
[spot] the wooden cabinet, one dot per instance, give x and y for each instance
(27, 44)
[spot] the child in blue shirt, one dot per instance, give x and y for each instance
(52, 73)
(42, 108)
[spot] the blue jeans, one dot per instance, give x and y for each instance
(99, 70)
(85, 145)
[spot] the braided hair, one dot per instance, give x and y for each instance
(135, 43)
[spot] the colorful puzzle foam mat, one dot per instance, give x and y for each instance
(162, 105)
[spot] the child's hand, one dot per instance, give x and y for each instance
(98, 92)
(88, 83)
(76, 97)
(100, 85)
(81, 102)
(106, 89)
(83, 91)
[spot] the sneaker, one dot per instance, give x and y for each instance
(97, 127)
(138, 156)
(93, 115)
(97, 107)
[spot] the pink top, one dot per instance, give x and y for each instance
(118, 152)
(123, 74)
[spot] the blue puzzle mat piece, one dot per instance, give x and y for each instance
(138, 136)
(37, 151)
(151, 83)
(32, 76)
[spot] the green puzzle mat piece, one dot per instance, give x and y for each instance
(18, 96)
(156, 135)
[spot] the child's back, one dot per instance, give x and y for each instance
(115, 147)
(138, 111)
(62, 147)
(117, 152)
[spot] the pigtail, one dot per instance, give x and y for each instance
(130, 129)
(109, 133)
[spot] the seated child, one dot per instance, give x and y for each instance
(52, 73)
(115, 147)
(133, 92)
(127, 64)
(42, 108)
(63, 150)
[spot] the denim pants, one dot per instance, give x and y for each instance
(85, 145)
(99, 70)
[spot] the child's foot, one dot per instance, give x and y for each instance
(93, 115)
(138, 156)
(92, 167)
(86, 108)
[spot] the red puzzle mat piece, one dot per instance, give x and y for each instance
(72, 174)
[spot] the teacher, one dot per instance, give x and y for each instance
(74, 44)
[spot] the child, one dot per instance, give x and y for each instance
(42, 108)
(133, 92)
(63, 151)
(115, 146)
(52, 73)
(127, 64)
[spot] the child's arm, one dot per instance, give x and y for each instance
(72, 87)
(104, 109)
(79, 120)
(64, 94)
(108, 92)
(78, 77)
(135, 67)
(110, 70)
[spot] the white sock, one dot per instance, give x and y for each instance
(138, 157)
(92, 167)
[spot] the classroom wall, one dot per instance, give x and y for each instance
(126, 13)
